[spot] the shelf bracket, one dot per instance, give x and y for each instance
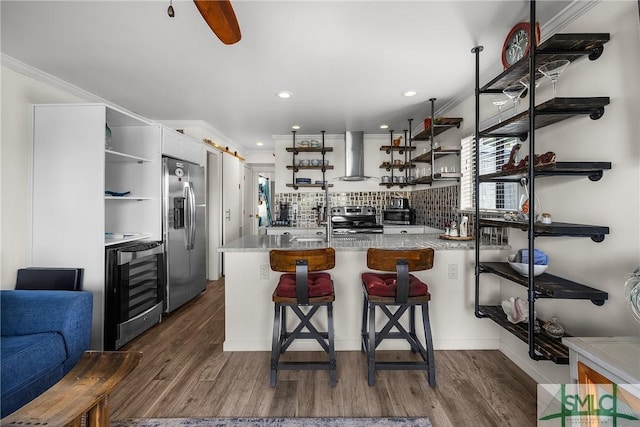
(480, 315)
(597, 113)
(598, 238)
(595, 176)
(523, 137)
(596, 53)
(598, 302)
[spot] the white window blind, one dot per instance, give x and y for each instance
(494, 152)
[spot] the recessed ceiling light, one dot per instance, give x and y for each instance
(409, 93)
(259, 143)
(295, 127)
(284, 94)
(384, 126)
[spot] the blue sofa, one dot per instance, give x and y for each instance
(44, 334)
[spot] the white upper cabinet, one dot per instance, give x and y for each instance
(180, 146)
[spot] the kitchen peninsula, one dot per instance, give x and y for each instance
(249, 283)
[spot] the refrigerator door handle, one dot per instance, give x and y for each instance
(187, 215)
(191, 230)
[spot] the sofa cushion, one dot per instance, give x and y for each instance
(68, 313)
(24, 358)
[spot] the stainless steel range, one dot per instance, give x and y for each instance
(354, 219)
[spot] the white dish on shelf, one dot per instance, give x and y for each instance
(523, 269)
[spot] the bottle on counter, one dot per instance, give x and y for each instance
(464, 223)
(453, 232)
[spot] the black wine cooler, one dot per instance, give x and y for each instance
(134, 291)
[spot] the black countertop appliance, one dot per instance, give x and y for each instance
(399, 212)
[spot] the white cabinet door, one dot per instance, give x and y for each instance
(179, 146)
(171, 143)
(231, 198)
(193, 151)
(281, 231)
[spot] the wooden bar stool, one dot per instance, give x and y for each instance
(397, 289)
(307, 286)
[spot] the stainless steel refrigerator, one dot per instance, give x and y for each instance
(183, 229)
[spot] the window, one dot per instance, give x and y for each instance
(494, 152)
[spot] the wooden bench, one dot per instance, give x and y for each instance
(82, 395)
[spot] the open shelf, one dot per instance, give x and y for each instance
(547, 347)
(116, 156)
(593, 170)
(437, 153)
(547, 113)
(442, 124)
(127, 198)
(596, 232)
(396, 184)
(523, 125)
(547, 285)
(558, 46)
(296, 186)
(399, 148)
(309, 149)
(388, 166)
(319, 168)
(438, 177)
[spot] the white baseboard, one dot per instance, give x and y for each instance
(354, 345)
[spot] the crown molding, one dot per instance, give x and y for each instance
(220, 138)
(37, 74)
(44, 77)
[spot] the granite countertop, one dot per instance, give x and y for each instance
(360, 242)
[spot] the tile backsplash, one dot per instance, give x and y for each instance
(433, 207)
(305, 203)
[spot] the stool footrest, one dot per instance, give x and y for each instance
(304, 365)
(401, 366)
(306, 335)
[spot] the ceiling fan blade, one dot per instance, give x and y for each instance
(221, 18)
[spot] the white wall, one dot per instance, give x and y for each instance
(18, 93)
(614, 201)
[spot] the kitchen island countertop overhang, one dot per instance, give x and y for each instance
(249, 284)
(350, 242)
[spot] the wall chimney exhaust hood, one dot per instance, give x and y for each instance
(354, 157)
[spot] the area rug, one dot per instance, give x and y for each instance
(273, 422)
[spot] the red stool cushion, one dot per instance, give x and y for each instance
(319, 285)
(384, 285)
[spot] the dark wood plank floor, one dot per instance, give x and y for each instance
(185, 373)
